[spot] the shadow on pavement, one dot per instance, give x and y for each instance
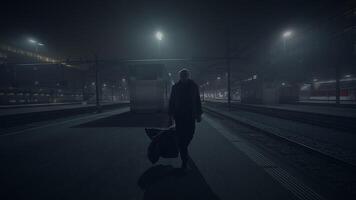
(167, 182)
(130, 119)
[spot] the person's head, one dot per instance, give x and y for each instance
(184, 74)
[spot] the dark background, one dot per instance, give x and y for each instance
(125, 30)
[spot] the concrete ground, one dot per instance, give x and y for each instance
(334, 111)
(36, 108)
(103, 156)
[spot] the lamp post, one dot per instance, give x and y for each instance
(35, 43)
(286, 35)
(159, 37)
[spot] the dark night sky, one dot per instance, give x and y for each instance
(125, 29)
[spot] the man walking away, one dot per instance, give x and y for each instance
(185, 109)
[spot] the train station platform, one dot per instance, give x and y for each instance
(35, 105)
(103, 156)
(336, 143)
(337, 118)
(324, 110)
(20, 116)
(33, 108)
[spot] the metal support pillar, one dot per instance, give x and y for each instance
(228, 83)
(228, 67)
(337, 85)
(112, 93)
(97, 85)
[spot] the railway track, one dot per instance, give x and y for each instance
(290, 141)
(342, 123)
(331, 176)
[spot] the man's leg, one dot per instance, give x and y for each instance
(185, 131)
(183, 150)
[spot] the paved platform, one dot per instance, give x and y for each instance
(16, 111)
(326, 110)
(102, 157)
(43, 108)
(326, 102)
(11, 106)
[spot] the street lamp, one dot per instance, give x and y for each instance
(36, 43)
(286, 35)
(159, 37)
(32, 41)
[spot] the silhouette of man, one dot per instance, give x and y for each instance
(185, 109)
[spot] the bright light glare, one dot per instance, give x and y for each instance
(159, 35)
(287, 34)
(32, 41)
(41, 44)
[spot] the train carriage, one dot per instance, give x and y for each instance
(149, 86)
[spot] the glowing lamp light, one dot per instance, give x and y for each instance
(287, 34)
(32, 41)
(159, 35)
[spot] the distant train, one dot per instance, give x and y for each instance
(325, 90)
(149, 86)
(318, 91)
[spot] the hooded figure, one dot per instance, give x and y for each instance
(185, 109)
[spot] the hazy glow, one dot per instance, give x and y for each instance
(32, 41)
(159, 35)
(287, 34)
